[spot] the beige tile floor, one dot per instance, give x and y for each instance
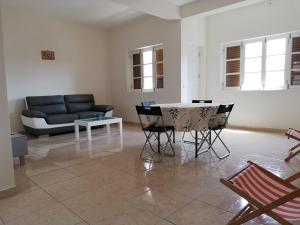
(69, 182)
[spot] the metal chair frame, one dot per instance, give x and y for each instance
(294, 150)
(151, 130)
(194, 136)
(223, 109)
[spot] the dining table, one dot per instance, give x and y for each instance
(190, 117)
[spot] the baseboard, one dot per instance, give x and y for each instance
(260, 129)
(235, 127)
(131, 123)
(8, 192)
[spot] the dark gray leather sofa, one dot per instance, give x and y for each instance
(57, 113)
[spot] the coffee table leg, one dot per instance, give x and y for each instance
(77, 131)
(22, 160)
(89, 133)
(108, 128)
(121, 128)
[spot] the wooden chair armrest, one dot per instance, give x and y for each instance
(293, 177)
(294, 129)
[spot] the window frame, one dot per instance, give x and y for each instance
(154, 76)
(287, 67)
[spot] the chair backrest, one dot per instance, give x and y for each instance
(149, 116)
(147, 104)
(225, 110)
(148, 111)
(201, 101)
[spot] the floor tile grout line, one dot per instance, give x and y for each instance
(215, 206)
(1, 220)
(71, 210)
(60, 201)
(40, 186)
(166, 218)
(169, 221)
(63, 205)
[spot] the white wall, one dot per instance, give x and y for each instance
(6, 162)
(81, 64)
(193, 43)
(145, 32)
(267, 109)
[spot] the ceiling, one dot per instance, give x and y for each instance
(109, 13)
(181, 2)
(102, 13)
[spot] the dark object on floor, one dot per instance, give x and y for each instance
(19, 146)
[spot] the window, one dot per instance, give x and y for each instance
(147, 68)
(295, 60)
(253, 65)
(233, 66)
(262, 63)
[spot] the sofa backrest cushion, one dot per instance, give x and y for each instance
(79, 103)
(53, 104)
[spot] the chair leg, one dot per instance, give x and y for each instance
(293, 153)
(203, 140)
(183, 136)
(242, 212)
(214, 140)
(196, 144)
(173, 131)
(186, 141)
(170, 140)
(148, 142)
(250, 215)
(158, 142)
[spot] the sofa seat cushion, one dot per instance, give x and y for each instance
(90, 114)
(61, 118)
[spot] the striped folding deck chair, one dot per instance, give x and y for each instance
(266, 194)
(294, 134)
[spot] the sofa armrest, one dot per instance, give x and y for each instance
(103, 108)
(34, 114)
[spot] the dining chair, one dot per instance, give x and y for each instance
(193, 136)
(217, 124)
(266, 194)
(155, 128)
(294, 134)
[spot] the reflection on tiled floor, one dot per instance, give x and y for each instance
(69, 182)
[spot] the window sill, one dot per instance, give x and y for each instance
(260, 90)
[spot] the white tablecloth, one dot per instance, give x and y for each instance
(187, 117)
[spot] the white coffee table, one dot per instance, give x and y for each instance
(89, 123)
